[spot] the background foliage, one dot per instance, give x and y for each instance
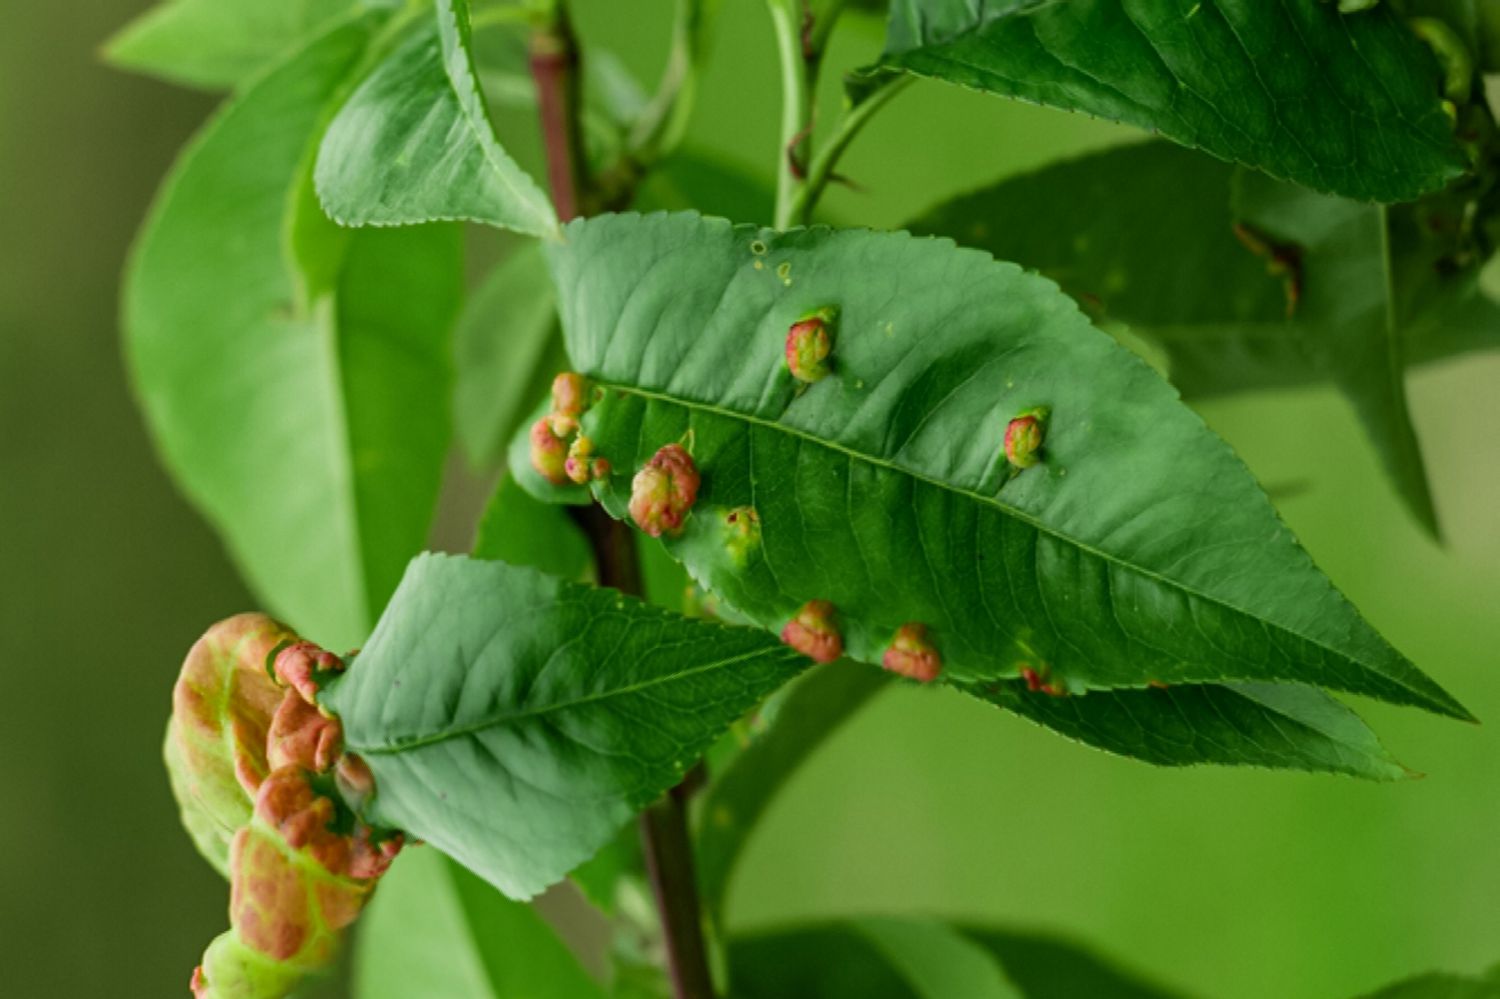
(109, 577)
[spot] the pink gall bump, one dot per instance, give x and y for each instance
(579, 467)
(303, 736)
(663, 493)
(912, 655)
(813, 632)
(571, 394)
(809, 341)
(1024, 436)
(304, 666)
(549, 452)
(1041, 682)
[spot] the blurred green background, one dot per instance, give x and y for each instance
(1240, 884)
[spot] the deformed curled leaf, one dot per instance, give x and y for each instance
(515, 721)
(1137, 549)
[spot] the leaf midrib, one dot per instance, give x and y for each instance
(491, 721)
(1004, 508)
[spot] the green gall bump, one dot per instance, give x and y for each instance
(579, 467)
(911, 654)
(741, 534)
(549, 452)
(814, 633)
(809, 341)
(663, 493)
(1024, 436)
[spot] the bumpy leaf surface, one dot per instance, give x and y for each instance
(414, 143)
(1145, 236)
(1139, 549)
(1343, 103)
(516, 721)
(294, 375)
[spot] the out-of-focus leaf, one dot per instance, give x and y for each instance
(1140, 549)
(501, 342)
(294, 376)
(885, 958)
(1438, 985)
(414, 142)
(516, 721)
(1145, 235)
(1349, 104)
(1277, 725)
(793, 726)
(436, 931)
(705, 184)
(522, 530)
(217, 44)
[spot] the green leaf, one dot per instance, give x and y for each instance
(707, 184)
(795, 723)
(889, 958)
(1140, 549)
(1275, 725)
(502, 343)
(1145, 236)
(414, 143)
(1349, 104)
(515, 721)
(436, 931)
(217, 44)
(522, 530)
(294, 376)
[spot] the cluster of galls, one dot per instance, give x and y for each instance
(559, 451)
(269, 797)
(813, 631)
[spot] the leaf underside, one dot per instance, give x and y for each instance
(1348, 104)
(515, 721)
(1140, 550)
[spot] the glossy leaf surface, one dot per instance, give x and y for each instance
(1348, 104)
(414, 143)
(294, 375)
(436, 931)
(1140, 549)
(516, 721)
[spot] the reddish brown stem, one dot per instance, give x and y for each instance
(554, 67)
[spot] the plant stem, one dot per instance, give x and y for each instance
(798, 79)
(664, 121)
(669, 863)
(664, 831)
(820, 172)
(554, 67)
